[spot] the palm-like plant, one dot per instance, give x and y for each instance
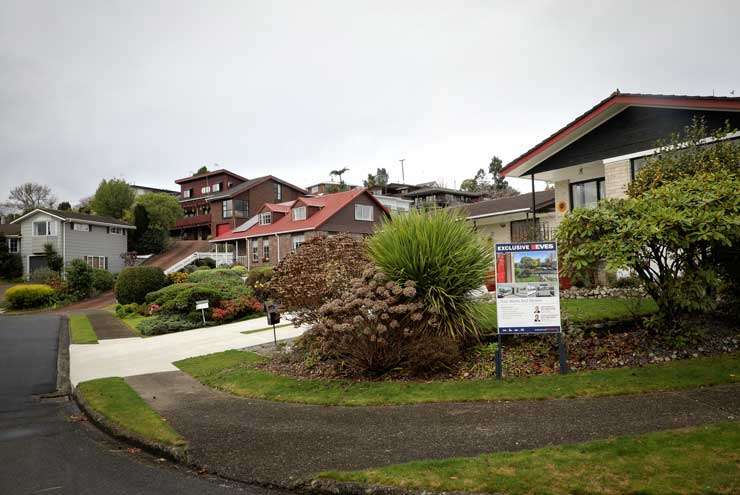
(445, 257)
(339, 173)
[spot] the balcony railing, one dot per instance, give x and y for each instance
(193, 221)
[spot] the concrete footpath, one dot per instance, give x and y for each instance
(136, 356)
(107, 326)
(272, 442)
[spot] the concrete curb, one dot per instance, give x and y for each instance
(177, 454)
(332, 487)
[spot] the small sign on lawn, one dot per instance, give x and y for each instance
(201, 304)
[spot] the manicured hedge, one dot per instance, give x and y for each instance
(214, 275)
(135, 282)
(160, 324)
(29, 296)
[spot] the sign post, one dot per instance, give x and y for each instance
(528, 293)
(202, 306)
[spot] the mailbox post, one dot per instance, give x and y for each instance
(273, 318)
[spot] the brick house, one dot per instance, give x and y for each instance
(216, 202)
(279, 228)
(597, 155)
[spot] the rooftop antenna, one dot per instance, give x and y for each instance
(403, 175)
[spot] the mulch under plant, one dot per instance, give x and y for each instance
(626, 345)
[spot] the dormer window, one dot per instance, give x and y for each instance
(299, 213)
(265, 218)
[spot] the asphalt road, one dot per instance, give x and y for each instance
(45, 448)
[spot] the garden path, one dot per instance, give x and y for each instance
(137, 356)
(107, 326)
(279, 443)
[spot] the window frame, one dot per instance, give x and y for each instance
(116, 230)
(230, 209)
(632, 165)
(50, 232)
(599, 197)
(265, 215)
(361, 207)
(205, 190)
(302, 209)
(277, 189)
(96, 262)
(17, 242)
(266, 249)
(216, 187)
(255, 251)
(187, 193)
(77, 227)
(296, 241)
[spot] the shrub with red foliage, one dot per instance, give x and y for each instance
(232, 309)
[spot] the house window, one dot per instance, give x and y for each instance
(278, 189)
(255, 251)
(266, 249)
(205, 189)
(587, 194)
(81, 227)
(116, 230)
(314, 189)
(13, 245)
(234, 208)
(216, 187)
(44, 228)
(636, 164)
(364, 213)
(100, 262)
(297, 240)
(265, 218)
(299, 213)
(187, 193)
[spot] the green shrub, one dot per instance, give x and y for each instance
(153, 241)
(29, 296)
(53, 260)
(11, 266)
(79, 279)
(205, 276)
(180, 298)
(445, 257)
(124, 310)
(189, 268)
(207, 262)
(201, 267)
(258, 279)
(161, 324)
(241, 270)
(43, 275)
(135, 282)
(102, 280)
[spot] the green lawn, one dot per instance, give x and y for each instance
(132, 321)
(235, 372)
(81, 330)
(693, 460)
(587, 310)
(119, 403)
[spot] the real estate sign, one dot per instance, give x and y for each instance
(527, 289)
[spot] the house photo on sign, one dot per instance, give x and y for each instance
(527, 289)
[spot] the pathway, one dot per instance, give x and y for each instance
(107, 326)
(137, 356)
(256, 440)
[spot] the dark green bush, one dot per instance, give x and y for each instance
(216, 274)
(53, 260)
(11, 265)
(102, 280)
(124, 310)
(209, 262)
(180, 298)
(29, 296)
(153, 241)
(135, 282)
(189, 268)
(79, 279)
(161, 324)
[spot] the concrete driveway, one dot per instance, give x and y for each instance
(138, 356)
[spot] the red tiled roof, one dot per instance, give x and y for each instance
(328, 204)
(625, 99)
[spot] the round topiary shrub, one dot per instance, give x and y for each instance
(102, 280)
(29, 296)
(135, 282)
(446, 259)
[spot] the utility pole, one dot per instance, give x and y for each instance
(403, 175)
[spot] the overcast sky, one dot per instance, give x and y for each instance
(150, 91)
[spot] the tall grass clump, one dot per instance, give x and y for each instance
(445, 257)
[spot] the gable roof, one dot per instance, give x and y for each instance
(605, 110)
(513, 204)
(209, 174)
(328, 205)
(73, 216)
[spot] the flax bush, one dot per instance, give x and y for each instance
(445, 258)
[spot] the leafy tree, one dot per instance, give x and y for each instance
(495, 168)
(162, 209)
(153, 241)
(84, 205)
(30, 195)
(495, 187)
(201, 170)
(380, 179)
(141, 221)
(64, 206)
(112, 198)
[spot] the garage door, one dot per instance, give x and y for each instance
(223, 228)
(36, 262)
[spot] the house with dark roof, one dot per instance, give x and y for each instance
(511, 219)
(427, 194)
(597, 155)
(279, 228)
(97, 240)
(218, 201)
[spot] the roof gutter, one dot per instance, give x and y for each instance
(499, 213)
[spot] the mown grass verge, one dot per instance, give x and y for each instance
(81, 331)
(115, 400)
(692, 460)
(236, 372)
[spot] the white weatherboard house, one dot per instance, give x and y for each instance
(97, 240)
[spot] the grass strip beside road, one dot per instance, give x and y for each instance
(81, 331)
(692, 460)
(132, 321)
(120, 404)
(236, 372)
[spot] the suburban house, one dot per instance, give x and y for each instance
(218, 201)
(280, 228)
(597, 155)
(140, 190)
(326, 187)
(97, 240)
(510, 219)
(427, 195)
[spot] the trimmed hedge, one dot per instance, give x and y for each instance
(102, 280)
(135, 282)
(29, 296)
(160, 324)
(214, 275)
